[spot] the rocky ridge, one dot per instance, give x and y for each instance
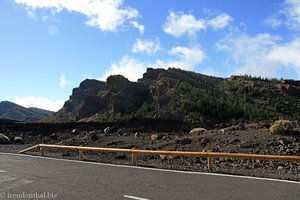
(182, 95)
(14, 112)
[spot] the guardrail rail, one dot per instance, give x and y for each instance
(134, 152)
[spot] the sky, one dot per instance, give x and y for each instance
(47, 47)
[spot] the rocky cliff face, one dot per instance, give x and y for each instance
(182, 95)
(121, 96)
(87, 88)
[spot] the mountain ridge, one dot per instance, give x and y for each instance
(13, 111)
(182, 95)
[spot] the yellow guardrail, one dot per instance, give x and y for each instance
(134, 152)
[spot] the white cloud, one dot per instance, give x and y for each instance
(31, 14)
(220, 21)
(37, 102)
(63, 81)
(146, 46)
(273, 21)
(183, 24)
(184, 58)
(261, 55)
(243, 47)
(189, 57)
(288, 15)
(129, 67)
(53, 30)
(248, 54)
(45, 18)
(137, 25)
(292, 12)
(287, 55)
(107, 15)
(179, 24)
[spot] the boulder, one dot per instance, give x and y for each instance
(4, 139)
(107, 130)
(240, 126)
(54, 136)
(153, 137)
(18, 140)
(75, 131)
(136, 135)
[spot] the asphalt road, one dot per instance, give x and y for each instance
(28, 177)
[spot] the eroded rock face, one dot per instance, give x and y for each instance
(119, 83)
(126, 96)
(87, 88)
(90, 106)
(121, 96)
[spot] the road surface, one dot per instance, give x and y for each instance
(29, 177)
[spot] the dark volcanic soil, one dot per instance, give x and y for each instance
(170, 136)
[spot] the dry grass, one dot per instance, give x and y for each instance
(281, 126)
(169, 157)
(153, 137)
(198, 131)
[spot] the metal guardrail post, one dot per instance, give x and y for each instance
(209, 162)
(133, 159)
(42, 151)
(81, 156)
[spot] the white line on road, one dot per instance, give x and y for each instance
(133, 197)
(2, 171)
(7, 179)
(10, 183)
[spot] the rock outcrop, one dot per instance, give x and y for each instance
(121, 96)
(87, 88)
(4, 139)
(182, 95)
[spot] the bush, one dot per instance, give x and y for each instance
(153, 137)
(198, 131)
(281, 126)
(166, 157)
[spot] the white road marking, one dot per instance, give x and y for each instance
(6, 179)
(156, 169)
(133, 197)
(2, 171)
(14, 184)
(7, 182)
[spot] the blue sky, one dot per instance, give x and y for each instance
(48, 47)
